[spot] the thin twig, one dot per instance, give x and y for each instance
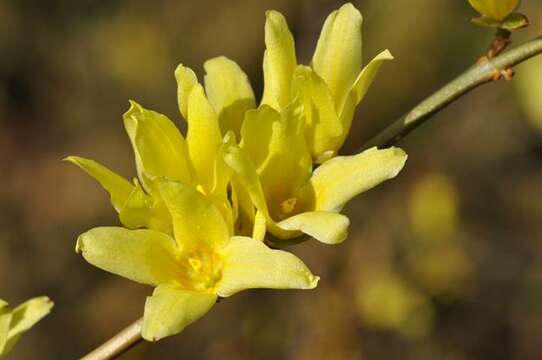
(118, 344)
(481, 73)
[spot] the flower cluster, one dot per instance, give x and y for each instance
(200, 216)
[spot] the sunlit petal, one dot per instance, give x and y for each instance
(170, 309)
(229, 92)
(144, 256)
(250, 264)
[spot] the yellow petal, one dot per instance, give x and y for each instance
(159, 148)
(229, 92)
(279, 61)
(186, 80)
(275, 143)
(196, 220)
(170, 309)
(24, 317)
(326, 227)
(203, 138)
(367, 75)
(250, 264)
(118, 187)
(247, 181)
(338, 180)
(141, 210)
(5, 320)
(145, 256)
(358, 92)
(337, 58)
(136, 209)
(323, 128)
(247, 176)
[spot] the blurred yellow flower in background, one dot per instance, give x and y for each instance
(386, 302)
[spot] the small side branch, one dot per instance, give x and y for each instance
(481, 73)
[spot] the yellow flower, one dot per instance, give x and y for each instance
(495, 9)
(162, 152)
(201, 262)
(330, 88)
(15, 322)
(273, 173)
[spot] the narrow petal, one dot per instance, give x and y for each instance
(337, 58)
(250, 264)
(196, 219)
(203, 138)
(247, 176)
(279, 61)
(118, 187)
(368, 74)
(186, 80)
(338, 180)
(358, 92)
(326, 227)
(145, 256)
(136, 209)
(229, 92)
(170, 309)
(323, 129)
(5, 320)
(143, 211)
(159, 148)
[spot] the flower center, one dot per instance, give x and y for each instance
(203, 269)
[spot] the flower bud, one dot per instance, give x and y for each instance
(495, 9)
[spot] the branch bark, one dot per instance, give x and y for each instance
(118, 344)
(481, 73)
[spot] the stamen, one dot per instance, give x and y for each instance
(288, 206)
(195, 263)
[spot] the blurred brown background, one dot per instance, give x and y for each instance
(444, 262)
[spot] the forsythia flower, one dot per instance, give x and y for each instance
(274, 168)
(190, 270)
(305, 115)
(161, 151)
(495, 9)
(15, 322)
(331, 88)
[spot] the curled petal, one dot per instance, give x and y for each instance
(145, 256)
(229, 92)
(170, 309)
(326, 227)
(159, 148)
(196, 219)
(250, 264)
(338, 180)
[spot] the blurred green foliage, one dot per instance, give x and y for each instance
(443, 262)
